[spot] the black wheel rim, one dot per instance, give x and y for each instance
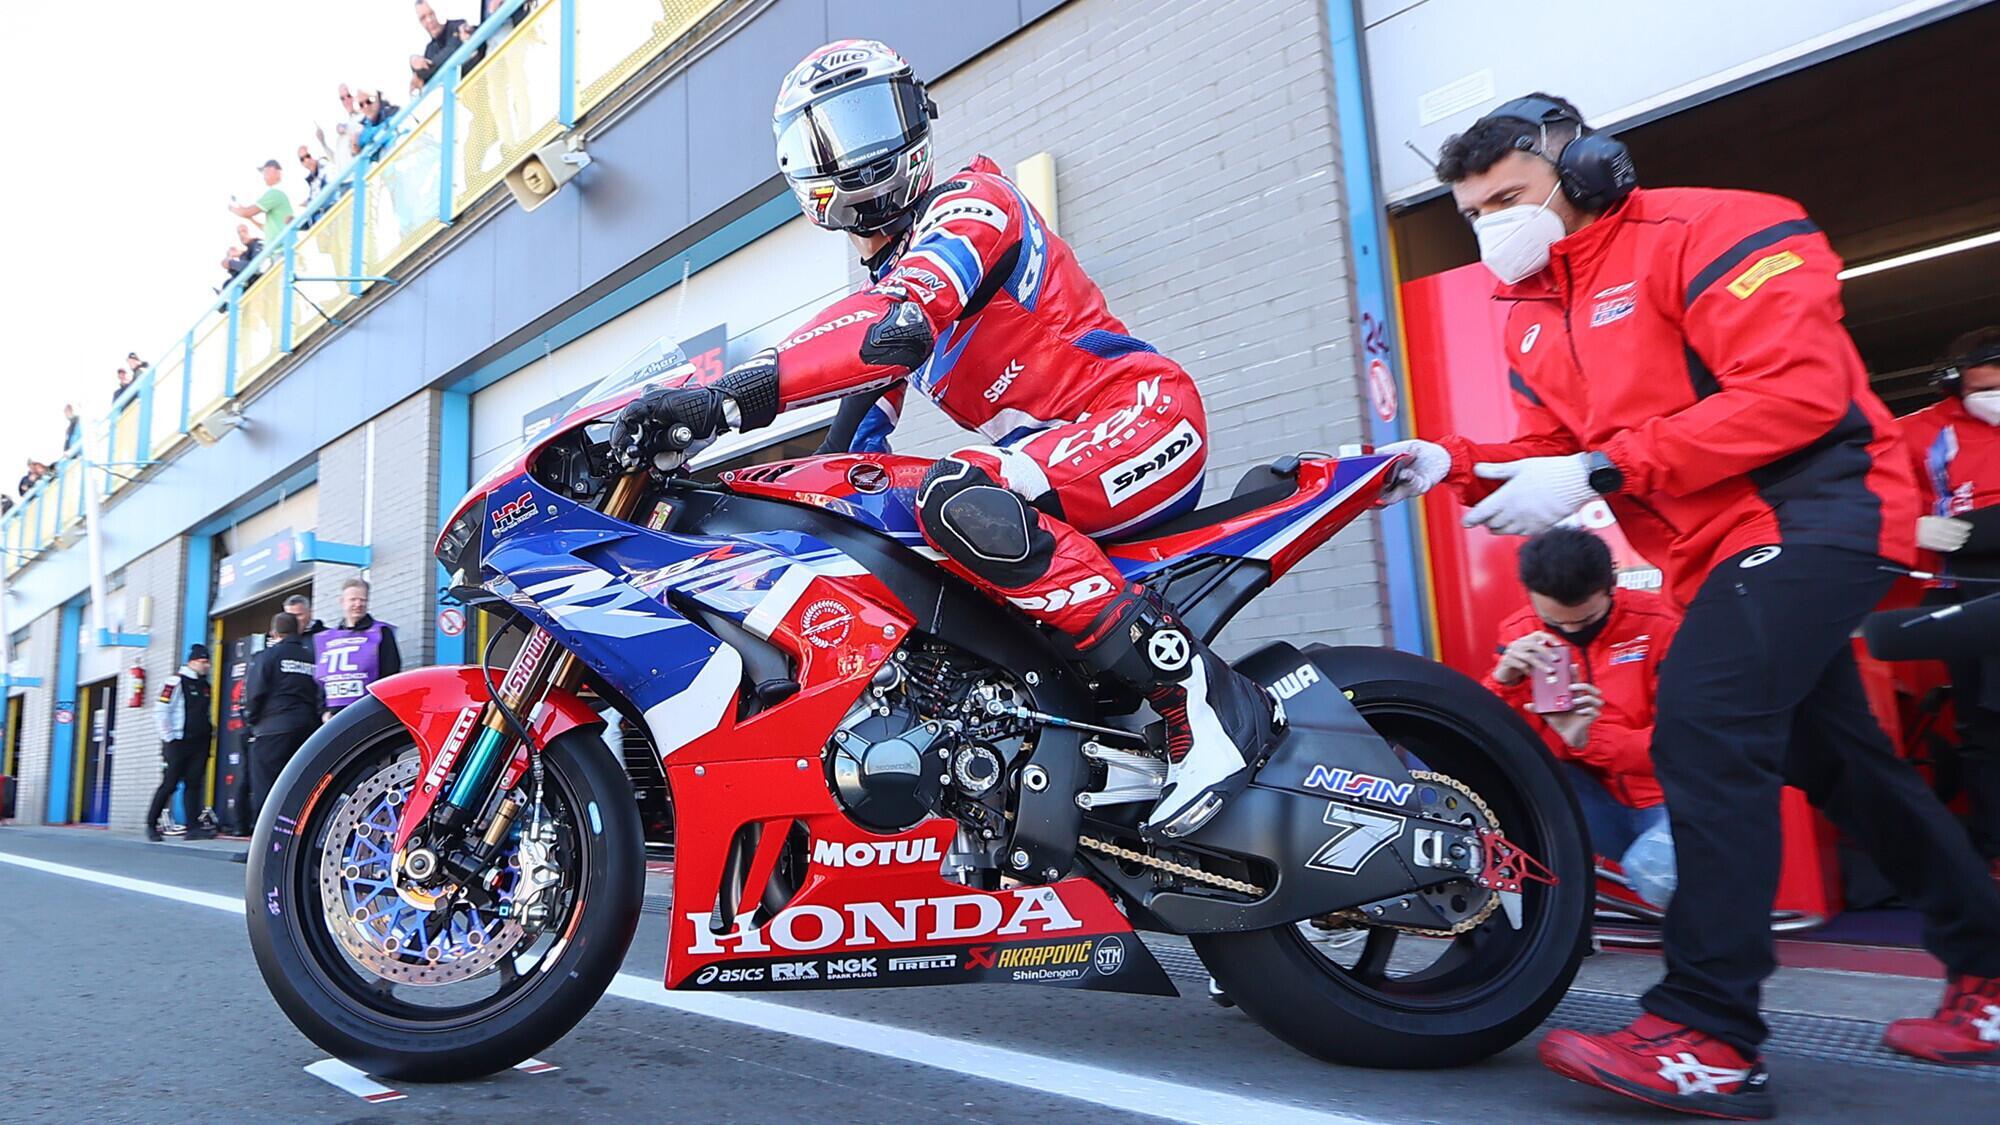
(416, 1007)
(1428, 975)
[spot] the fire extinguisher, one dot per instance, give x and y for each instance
(138, 696)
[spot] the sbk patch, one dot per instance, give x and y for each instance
(1130, 477)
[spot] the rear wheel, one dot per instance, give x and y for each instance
(458, 989)
(1366, 995)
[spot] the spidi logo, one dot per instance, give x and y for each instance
(805, 929)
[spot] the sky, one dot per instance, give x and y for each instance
(143, 119)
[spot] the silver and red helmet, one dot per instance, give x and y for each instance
(854, 136)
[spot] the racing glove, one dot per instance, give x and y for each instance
(1424, 467)
(1539, 493)
(667, 420)
(1942, 533)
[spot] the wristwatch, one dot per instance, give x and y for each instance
(1604, 477)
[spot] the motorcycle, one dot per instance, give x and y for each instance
(882, 778)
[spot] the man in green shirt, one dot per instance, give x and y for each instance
(274, 206)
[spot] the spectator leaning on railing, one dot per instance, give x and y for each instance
(445, 37)
(124, 380)
(236, 257)
(274, 207)
(71, 427)
(376, 112)
(36, 471)
(135, 365)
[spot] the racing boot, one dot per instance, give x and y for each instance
(1966, 1028)
(1666, 1064)
(1219, 724)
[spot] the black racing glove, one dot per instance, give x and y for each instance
(666, 420)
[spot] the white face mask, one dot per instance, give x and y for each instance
(1515, 243)
(1983, 405)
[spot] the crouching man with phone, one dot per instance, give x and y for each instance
(1679, 353)
(1582, 661)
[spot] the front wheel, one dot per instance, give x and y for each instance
(1362, 995)
(456, 990)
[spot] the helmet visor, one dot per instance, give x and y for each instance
(853, 127)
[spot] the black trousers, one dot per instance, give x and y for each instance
(1975, 701)
(1761, 690)
(268, 755)
(187, 760)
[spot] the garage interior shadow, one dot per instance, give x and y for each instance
(1892, 149)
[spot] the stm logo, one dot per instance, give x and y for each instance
(1128, 478)
(834, 325)
(1296, 681)
(1368, 787)
(1005, 380)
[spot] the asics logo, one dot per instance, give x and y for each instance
(1692, 1076)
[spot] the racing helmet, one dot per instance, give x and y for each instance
(853, 127)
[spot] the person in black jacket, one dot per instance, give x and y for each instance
(185, 730)
(282, 703)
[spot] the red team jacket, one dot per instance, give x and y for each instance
(1624, 663)
(1956, 458)
(1693, 335)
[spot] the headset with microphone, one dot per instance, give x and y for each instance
(1595, 169)
(1951, 378)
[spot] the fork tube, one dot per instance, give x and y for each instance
(528, 681)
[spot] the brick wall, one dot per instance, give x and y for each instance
(1203, 194)
(402, 573)
(37, 720)
(157, 574)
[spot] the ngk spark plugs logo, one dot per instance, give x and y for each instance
(826, 623)
(1023, 912)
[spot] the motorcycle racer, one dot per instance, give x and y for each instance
(1088, 430)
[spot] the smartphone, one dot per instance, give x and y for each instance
(1552, 688)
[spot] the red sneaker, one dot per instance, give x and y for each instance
(1663, 1063)
(1966, 1028)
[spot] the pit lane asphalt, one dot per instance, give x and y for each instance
(119, 1006)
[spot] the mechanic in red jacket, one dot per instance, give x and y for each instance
(1956, 446)
(1679, 352)
(1614, 641)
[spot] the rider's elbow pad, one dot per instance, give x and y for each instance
(753, 386)
(902, 339)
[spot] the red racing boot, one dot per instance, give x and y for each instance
(1966, 1028)
(1663, 1063)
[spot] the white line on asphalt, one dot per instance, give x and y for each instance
(123, 883)
(1113, 1089)
(353, 1081)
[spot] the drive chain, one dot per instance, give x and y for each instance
(1183, 870)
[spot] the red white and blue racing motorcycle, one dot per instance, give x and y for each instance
(881, 778)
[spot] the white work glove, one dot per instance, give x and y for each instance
(1942, 533)
(1540, 493)
(1425, 466)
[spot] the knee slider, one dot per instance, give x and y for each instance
(901, 339)
(971, 517)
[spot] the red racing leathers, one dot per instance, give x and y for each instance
(1693, 335)
(1956, 457)
(1093, 428)
(1623, 663)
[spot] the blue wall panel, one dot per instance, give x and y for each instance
(912, 27)
(457, 294)
(730, 96)
(637, 196)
